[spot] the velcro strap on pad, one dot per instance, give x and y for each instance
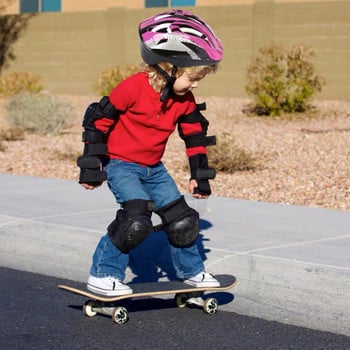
(202, 106)
(174, 210)
(205, 174)
(210, 140)
(137, 206)
(89, 175)
(95, 149)
(199, 140)
(194, 140)
(89, 162)
(96, 136)
(108, 109)
(193, 117)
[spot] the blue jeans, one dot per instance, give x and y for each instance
(129, 181)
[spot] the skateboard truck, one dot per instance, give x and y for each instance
(209, 305)
(120, 315)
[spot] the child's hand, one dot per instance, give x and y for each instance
(191, 186)
(88, 187)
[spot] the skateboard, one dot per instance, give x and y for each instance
(184, 295)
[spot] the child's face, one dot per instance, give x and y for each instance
(186, 83)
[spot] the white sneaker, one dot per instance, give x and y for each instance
(203, 279)
(109, 286)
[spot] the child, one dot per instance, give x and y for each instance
(125, 136)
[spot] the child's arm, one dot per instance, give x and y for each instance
(95, 139)
(193, 129)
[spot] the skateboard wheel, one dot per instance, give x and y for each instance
(120, 315)
(88, 309)
(181, 300)
(210, 306)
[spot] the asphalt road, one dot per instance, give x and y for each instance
(35, 314)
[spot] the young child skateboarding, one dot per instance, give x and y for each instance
(125, 136)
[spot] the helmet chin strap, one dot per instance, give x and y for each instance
(170, 81)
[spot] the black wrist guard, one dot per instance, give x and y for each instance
(90, 164)
(91, 172)
(201, 172)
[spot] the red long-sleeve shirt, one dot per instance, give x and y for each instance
(144, 125)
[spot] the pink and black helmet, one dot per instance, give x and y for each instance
(179, 37)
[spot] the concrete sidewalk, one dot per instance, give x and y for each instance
(292, 263)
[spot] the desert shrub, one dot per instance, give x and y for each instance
(67, 153)
(227, 157)
(110, 77)
(18, 82)
(12, 134)
(282, 80)
(39, 113)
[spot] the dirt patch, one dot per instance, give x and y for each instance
(306, 160)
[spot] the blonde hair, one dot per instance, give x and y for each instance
(158, 81)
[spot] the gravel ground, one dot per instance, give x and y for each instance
(302, 161)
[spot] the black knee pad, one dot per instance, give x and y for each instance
(180, 222)
(132, 224)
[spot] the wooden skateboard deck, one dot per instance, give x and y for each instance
(184, 294)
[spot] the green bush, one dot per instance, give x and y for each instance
(110, 77)
(282, 80)
(18, 82)
(39, 113)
